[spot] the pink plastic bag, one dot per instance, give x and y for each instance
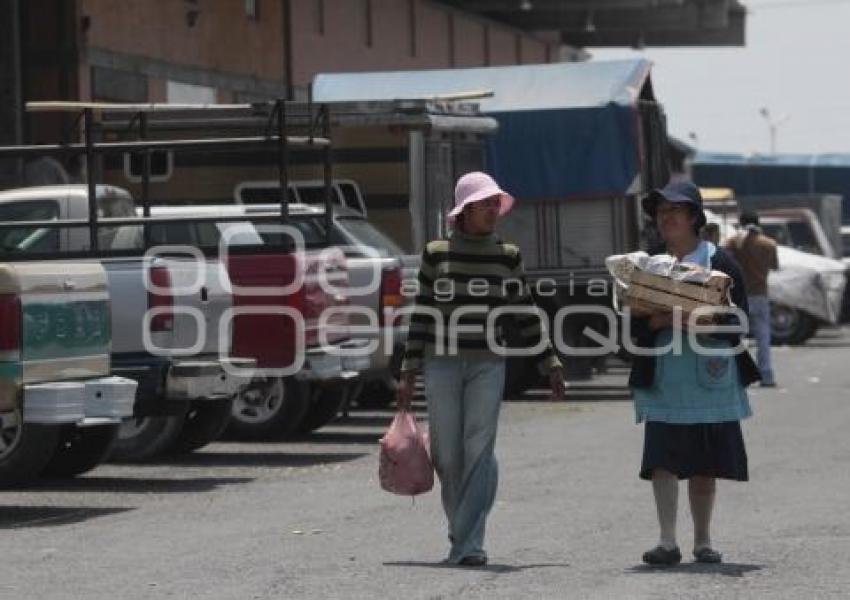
(405, 467)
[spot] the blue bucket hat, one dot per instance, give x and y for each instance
(677, 192)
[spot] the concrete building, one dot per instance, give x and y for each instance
(235, 50)
(243, 50)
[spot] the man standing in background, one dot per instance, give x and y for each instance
(756, 253)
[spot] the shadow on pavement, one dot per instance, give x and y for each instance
(727, 569)
(826, 343)
(344, 437)
(258, 459)
(829, 337)
(382, 420)
(17, 517)
(578, 393)
(491, 568)
(136, 485)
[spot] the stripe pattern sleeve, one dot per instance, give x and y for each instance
(531, 325)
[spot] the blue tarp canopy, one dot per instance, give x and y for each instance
(565, 130)
(779, 174)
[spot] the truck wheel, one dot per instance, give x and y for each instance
(376, 394)
(25, 448)
(205, 422)
(272, 409)
(323, 409)
(520, 375)
(789, 326)
(80, 449)
(143, 438)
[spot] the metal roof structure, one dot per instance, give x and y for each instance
(566, 130)
(514, 88)
(780, 174)
(633, 23)
(774, 160)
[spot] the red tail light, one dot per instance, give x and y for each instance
(160, 280)
(390, 294)
(10, 323)
(299, 301)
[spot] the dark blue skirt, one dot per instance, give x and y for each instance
(708, 449)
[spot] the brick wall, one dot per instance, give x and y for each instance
(215, 44)
(222, 38)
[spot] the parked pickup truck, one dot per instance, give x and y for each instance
(376, 268)
(279, 403)
(806, 292)
(59, 408)
(804, 230)
(184, 398)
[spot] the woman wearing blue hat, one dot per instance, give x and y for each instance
(691, 402)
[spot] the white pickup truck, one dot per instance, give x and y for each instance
(59, 408)
(185, 391)
(377, 266)
(807, 290)
(308, 398)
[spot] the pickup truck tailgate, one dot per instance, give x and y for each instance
(129, 304)
(64, 327)
(257, 331)
(271, 337)
(211, 298)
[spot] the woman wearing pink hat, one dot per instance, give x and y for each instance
(461, 280)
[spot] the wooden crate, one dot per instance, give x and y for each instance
(648, 300)
(713, 292)
(648, 294)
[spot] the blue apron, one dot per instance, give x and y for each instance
(692, 388)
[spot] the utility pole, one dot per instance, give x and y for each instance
(287, 30)
(773, 126)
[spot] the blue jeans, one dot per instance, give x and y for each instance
(760, 329)
(464, 396)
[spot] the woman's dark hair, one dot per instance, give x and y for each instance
(695, 213)
(460, 223)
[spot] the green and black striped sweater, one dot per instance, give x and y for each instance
(461, 281)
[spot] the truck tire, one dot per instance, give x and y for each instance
(790, 326)
(205, 422)
(376, 394)
(272, 409)
(324, 409)
(520, 375)
(143, 438)
(80, 449)
(25, 448)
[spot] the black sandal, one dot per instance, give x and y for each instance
(708, 555)
(662, 556)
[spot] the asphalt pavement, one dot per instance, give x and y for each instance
(307, 519)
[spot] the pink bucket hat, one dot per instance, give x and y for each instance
(477, 186)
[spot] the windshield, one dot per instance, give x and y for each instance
(312, 230)
(114, 206)
(778, 232)
(803, 238)
(201, 235)
(264, 195)
(29, 239)
(366, 234)
(797, 234)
